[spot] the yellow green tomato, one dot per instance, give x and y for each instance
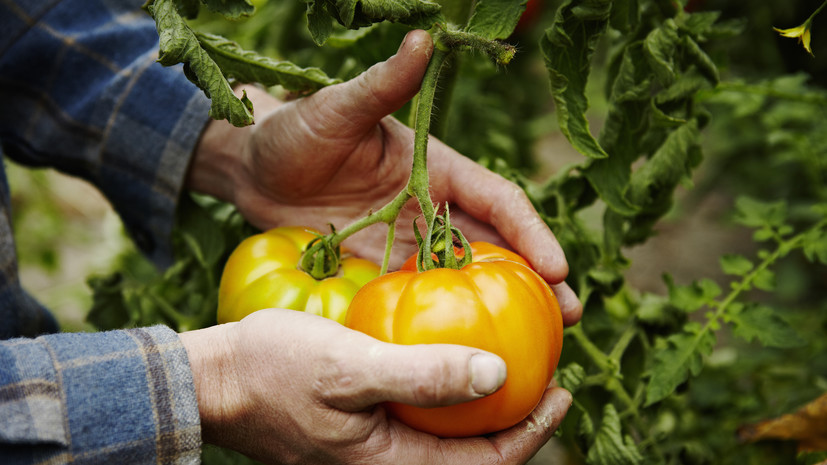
(263, 272)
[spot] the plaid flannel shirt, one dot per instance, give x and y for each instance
(80, 91)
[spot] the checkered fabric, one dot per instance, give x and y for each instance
(119, 397)
(80, 91)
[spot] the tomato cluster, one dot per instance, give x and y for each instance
(496, 303)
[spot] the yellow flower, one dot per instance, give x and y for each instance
(801, 32)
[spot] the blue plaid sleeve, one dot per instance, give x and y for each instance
(82, 92)
(119, 397)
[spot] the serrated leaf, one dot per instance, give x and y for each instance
(764, 279)
(755, 214)
(567, 48)
(109, 310)
(735, 264)
(354, 14)
(232, 9)
(200, 232)
(683, 355)
(672, 162)
(629, 100)
(248, 66)
(571, 377)
(610, 447)
(625, 15)
(815, 246)
(703, 62)
(693, 297)
(319, 23)
(188, 8)
(178, 44)
(699, 23)
(659, 48)
(496, 19)
(766, 325)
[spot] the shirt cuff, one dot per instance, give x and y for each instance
(122, 396)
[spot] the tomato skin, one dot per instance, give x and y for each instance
(499, 306)
(263, 272)
(480, 252)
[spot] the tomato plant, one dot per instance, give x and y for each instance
(263, 272)
(500, 306)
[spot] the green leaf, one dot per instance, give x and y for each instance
(693, 297)
(672, 162)
(736, 264)
(248, 66)
(629, 104)
(178, 44)
(568, 47)
(764, 279)
(766, 325)
(683, 355)
(625, 15)
(815, 245)
(571, 377)
(755, 214)
(232, 9)
(319, 23)
(200, 232)
(496, 19)
(610, 446)
(109, 310)
(354, 14)
(660, 47)
(188, 8)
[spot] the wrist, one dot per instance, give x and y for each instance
(219, 166)
(214, 372)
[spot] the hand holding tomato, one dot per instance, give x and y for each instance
(336, 155)
(495, 303)
(289, 387)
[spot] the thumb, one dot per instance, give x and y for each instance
(361, 102)
(428, 375)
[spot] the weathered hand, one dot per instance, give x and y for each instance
(337, 155)
(288, 387)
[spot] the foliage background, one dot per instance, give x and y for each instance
(767, 138)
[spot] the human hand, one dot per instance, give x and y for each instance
(288, 387)
(336, 155)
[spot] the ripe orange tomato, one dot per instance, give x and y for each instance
(499, 306)
(263, 272)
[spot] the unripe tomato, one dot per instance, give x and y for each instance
(499, 306)
(263, 272)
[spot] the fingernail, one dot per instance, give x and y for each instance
(487, 373)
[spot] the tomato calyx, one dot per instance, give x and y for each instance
(322, 256)
(440, 245)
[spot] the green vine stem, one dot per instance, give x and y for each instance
(418, 185)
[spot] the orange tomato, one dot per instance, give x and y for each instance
(499, 306)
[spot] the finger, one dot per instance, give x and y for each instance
(490, 198)
(361, 102)
(514, 445)
(520, 442)
(427, 375)
(570, 305)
